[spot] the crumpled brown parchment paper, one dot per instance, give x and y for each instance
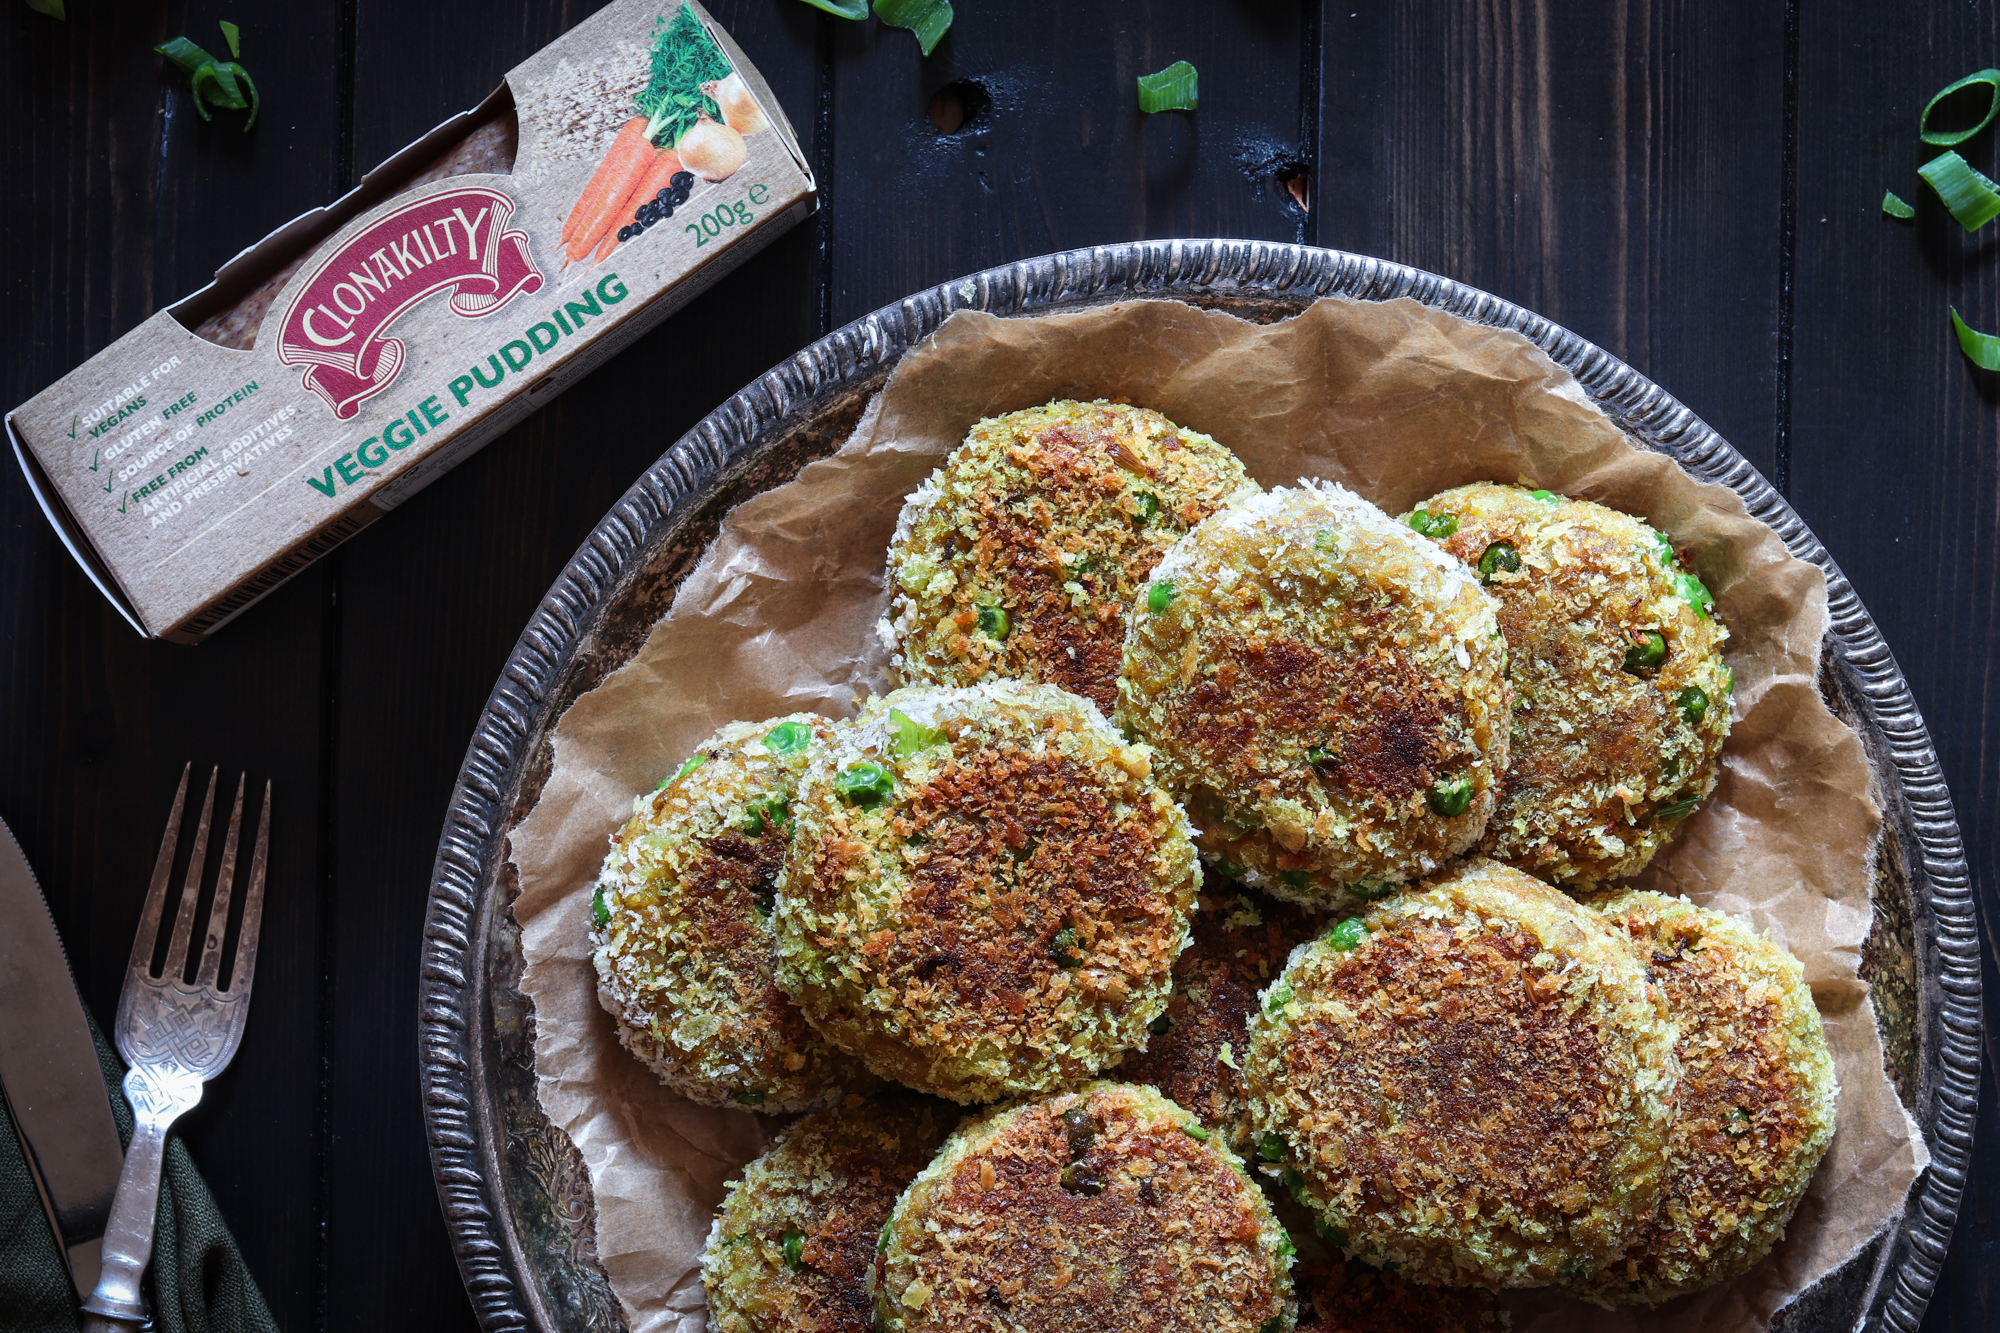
(1396, 401)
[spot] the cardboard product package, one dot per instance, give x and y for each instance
(357, 353)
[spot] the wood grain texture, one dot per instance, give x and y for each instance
(1895, 447)
(1617, 166)
(1612, 166)
(1061, 156)
(123, 199)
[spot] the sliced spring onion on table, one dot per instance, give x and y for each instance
(1972, 199)
(1981, 349)
(928, 19)
(1175, 88)
(1895, 207)
(216, 83)
(1952, 138)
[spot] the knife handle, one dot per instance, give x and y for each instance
(128, 1238)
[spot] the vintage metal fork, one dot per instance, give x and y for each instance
(174, 1036)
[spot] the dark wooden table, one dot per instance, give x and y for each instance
(1693, 185)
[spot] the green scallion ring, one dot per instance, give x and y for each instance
(1952, 138)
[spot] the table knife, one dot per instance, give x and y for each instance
(49, 1072)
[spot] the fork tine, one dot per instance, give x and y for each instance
(191, 889)
(245, 966)
(218, 912)
(148, 936)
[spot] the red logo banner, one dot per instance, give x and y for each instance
(457, 241)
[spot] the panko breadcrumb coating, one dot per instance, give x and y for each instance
(1621, 697)
(682, 933)
(1095, 1211)
(1195, 1058)
(987, 893)
(1326, 691)
(1021, 555)
(1474, 1084)
(1756, 1107)
(792, 1245)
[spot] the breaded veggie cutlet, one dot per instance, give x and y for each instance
(987, 893)
(1325, 689)
(681, 926)
(1621, 697)
(1195, 1058)
(1021, 555)
(1474, 1083)
(1756, 1106)
(1100, 1210)
(792, 1246)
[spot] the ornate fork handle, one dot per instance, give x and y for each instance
(159, 1095)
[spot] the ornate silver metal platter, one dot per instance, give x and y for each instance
(515, 1193)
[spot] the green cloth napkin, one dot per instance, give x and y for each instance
(196, 1283)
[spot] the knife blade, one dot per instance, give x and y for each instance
(49, 1071)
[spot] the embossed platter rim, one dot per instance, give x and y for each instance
(514, 1195)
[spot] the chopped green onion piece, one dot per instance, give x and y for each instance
(1320, 757)
(1646, 652)
(185, 54)
(928, 19)
(1278, 996)
(788, 738)
(1286, 1247)
(1435, 526)
(736, 1239)
(795, 1250)
(912, 735)
(1347, 934)
(1894, 206)
(1148, 505)
(234, 36)
(866, 784)
(600, 915)
(1326, 539)
(846, 9)
(1196, 1132)
(1175, 88)
(773, 812)
(1972, 199)
(694, 762)
(1952, 138)
(1452, 796)
(1982, 349)
(995, 623)
(1273, 1148)
(1160, 596)
(1678, 810)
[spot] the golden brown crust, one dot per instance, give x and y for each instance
(1598, 751)
(826, 1186)
(1055, 514)
(1093, 1211)
(1477, 1090)
(1195, 1058)
(1755, 1111)
(1009, 919)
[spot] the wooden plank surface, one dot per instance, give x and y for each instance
(1895, 446)
(1621, 167)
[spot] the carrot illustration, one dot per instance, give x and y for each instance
(686, 65)
(659, 176)
(614, 178)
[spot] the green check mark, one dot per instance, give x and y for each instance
(72, 426)
(93, 456)
(122, 503)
